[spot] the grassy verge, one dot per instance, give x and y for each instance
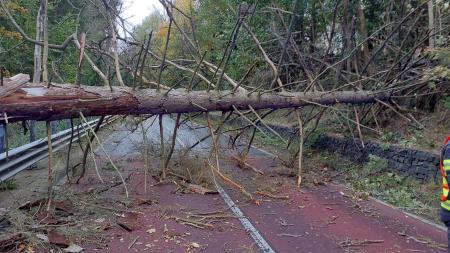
(375, 179)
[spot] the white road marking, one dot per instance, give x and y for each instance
(246, 223)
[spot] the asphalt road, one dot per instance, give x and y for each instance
(315, 219)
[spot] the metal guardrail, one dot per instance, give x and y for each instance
(23, 157)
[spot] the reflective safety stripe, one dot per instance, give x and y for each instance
(446, 205)
(445, 189)
(445, 171)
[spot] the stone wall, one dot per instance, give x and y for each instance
(418, 164)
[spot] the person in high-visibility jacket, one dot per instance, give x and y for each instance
(445, 199)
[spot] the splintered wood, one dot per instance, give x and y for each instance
(10, 85)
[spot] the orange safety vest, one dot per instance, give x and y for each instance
(444, 165)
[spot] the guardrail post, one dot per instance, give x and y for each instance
(2, 138)
(54, 126)
(32, 130)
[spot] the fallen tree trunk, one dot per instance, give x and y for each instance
(38, 102)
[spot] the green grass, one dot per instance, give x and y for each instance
(376, 179)
(8, 185)
(17, 136)
(269, 139)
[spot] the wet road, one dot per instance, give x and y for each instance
(314, 219)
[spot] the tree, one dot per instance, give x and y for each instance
(251, 60)
(97, 101)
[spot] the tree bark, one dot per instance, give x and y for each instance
(45, 75)
(363, 33)
(66, 101)
(431, 22)
(38, 48)
(37, 58)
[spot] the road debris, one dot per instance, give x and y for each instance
(57, 239)
(133, 242)
(351, 243)
(289, 235)
(73, 248)
(269, 195)
(195, 245)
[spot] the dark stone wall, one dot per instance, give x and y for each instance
(410, 162)
(418, 164)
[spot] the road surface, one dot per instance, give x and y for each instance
(311, 219)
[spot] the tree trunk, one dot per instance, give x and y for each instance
(363, 34)
(431, 22)
(38, 48)
(64, 101)
(45, 75)
(37, 57)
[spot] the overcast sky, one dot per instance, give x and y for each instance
(137, 10)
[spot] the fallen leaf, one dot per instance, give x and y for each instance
(42, 237)
(57, 239)
(73, 248)
(64, 206)
(100, 220)
(128, 222)
(200, 189)
(30, 204)
(10, 241)
(46, 218)
(195, 245)
(165, 228)
(30, 249)
(151, 230)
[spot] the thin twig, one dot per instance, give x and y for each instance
(107, 155)
(300, 153)
(50, 165)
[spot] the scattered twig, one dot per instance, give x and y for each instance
(133, 242)
(352, 243)
(267, 194)
(50, 165)
(289, 235)
(107, 155)
(300, 152)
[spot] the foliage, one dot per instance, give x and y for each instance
(389, 186)
(64, 20)
(18, 136)
(376, 179)
(446, 102)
